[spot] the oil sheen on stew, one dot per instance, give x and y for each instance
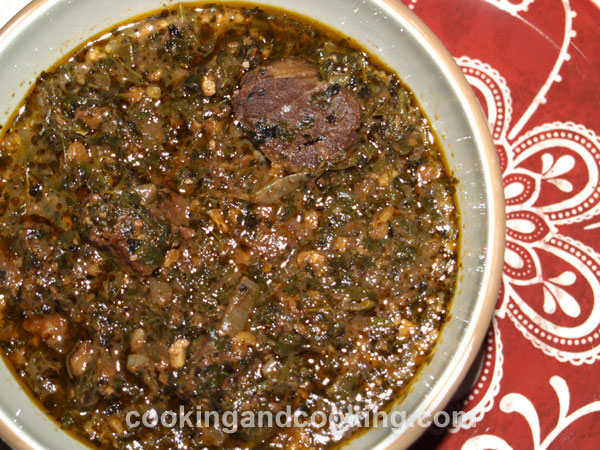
(221, 209)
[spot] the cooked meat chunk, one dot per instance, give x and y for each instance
(134, 232)
(299, 121)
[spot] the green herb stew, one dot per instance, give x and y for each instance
(221, 208)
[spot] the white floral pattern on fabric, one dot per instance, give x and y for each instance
(518, 403)
(551, 177)
(546, 188)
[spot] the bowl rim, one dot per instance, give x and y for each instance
(494, 258)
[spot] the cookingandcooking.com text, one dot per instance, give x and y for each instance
(231, 421)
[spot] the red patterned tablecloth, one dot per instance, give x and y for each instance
(535, 65)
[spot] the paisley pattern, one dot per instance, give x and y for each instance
(550, 179)
(518, 403)
(547, 321)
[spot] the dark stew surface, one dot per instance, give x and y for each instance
(224, 209)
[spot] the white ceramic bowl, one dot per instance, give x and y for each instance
(47, 29)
